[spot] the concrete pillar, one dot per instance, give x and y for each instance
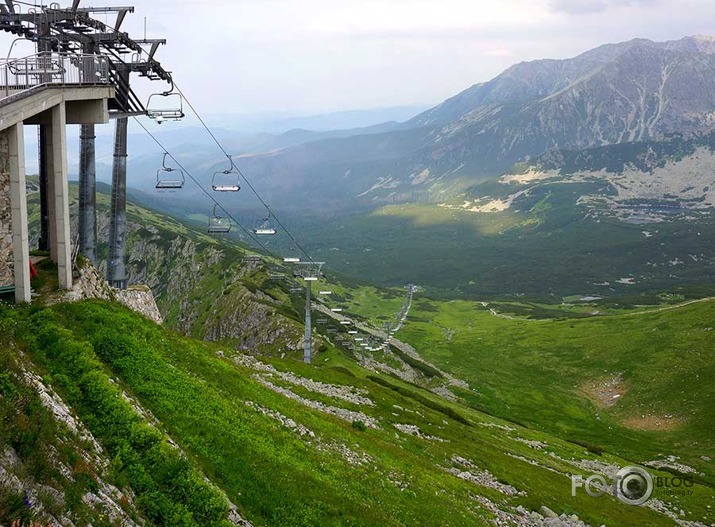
(49, 150)
(44, 167)
(116, 268)
(18, 199)
(87, 194)
(60, 198)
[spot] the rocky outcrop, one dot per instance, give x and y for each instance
(140, 299)
(199, 291)
(47, 500)
(90, 284)
(250, 320)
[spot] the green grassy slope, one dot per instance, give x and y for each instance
(250, 441)
(638, 383)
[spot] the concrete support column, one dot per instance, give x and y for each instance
(87, 193)
(116, 268)
(44, 167)
(18, 200)
(48, 141)
(60, 197)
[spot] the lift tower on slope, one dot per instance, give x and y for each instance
(310, 272)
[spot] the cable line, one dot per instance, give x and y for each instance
(230, 158)
(247, 231)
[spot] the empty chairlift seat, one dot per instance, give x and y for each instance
(168, 178)
(40, 66)
(265, 228)
(165, 106)
(225, 181)
(218, 224)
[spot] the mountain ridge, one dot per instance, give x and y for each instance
(631, 91)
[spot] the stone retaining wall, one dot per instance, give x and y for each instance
(6, 265)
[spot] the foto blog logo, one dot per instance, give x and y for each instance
(632, 485)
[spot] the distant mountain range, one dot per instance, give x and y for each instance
(633, 91)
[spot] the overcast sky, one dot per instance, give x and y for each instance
(315, 56)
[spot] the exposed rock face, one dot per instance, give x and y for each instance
(106, 500)
(6, 264)
(141, 300)
(91, 284)
(197, 286)
(633, 91)
(242, 315)
(194, 285)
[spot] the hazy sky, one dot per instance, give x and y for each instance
(313, 56)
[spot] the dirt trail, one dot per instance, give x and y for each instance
(667, 308)
(495, 313)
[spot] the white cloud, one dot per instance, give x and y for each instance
(579, 7)
(312, 55)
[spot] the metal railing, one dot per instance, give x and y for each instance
(52, 69)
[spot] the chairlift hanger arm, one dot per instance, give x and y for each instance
(73, 25)
(113, 9)
(155, 43)
(113, 39)
(121, 12)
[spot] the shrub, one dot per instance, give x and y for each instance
(359, 425)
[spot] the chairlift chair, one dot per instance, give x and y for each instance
(291, 255)
(172, 108)
(225, 181)
(168, 178)
(36, 66)
(218, 224)
(265, 229)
